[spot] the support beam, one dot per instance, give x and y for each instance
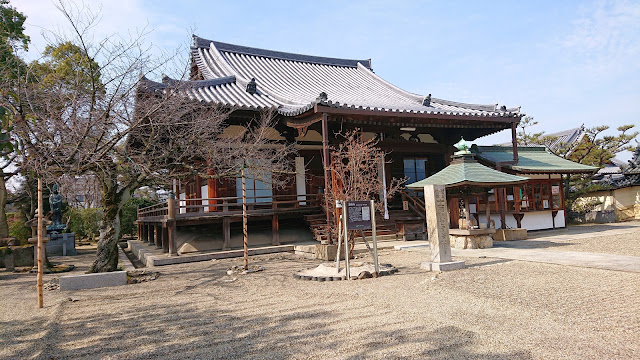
(275, 230)
(226, 231)
(488, 210)
(171, 225)
(514, 142)
(327, 164)
(157, 236)
(150, 233)
(165, 239)
(501, 207)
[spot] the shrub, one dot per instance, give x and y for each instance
(17, 227)
(84, 222)
(129, 214)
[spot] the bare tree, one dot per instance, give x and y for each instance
(355, 166)
(92, 111)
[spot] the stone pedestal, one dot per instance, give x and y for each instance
(62, 244)
(438, 230)
(34, 241)
(471, 239)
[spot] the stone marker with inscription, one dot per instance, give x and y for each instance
(438, 230)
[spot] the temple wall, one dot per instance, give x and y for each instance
(615, 205)
(533, 220)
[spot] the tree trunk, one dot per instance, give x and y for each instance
(4, 225)
(107, 253)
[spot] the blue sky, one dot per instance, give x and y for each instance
(566, 63)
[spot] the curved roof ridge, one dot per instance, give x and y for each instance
(395, 88)
(221, 46)
(481, 107)
(200, 83)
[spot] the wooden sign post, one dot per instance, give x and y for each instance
(360, 215)
(40, 235)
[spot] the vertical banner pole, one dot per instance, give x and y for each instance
(375, 241)
(40, 257)
(245, 240)
(346, 239)
(339, 242)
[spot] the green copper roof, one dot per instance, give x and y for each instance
(534, 160)
(465, 171)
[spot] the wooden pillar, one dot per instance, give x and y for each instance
(501, 204)
(171, 225)
(165, 238)
(149, 238)
(226, 231)
(275, 230)
(514, 142)
(158, 236)
(143, 232)
(487, 210)
(327, 164)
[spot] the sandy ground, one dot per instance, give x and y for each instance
(619, 238)
(493, 309)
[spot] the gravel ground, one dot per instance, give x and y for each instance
(493, 309)
(619, 238)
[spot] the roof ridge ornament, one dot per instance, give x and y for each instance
(252, 86)
(322, 97)
(503, 108)
(427, 100)
(462, 146)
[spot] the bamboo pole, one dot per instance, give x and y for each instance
(40, 257)
(244, 221)
(374, 235)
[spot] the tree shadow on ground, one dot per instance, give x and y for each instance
(530, 244)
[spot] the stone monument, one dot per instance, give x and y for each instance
(59, 243)
(435, 198)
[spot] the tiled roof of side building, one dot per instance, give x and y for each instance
(294, 82)
(532, 160)
(466, 171)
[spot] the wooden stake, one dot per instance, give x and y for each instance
(244, 222)
(40, 257)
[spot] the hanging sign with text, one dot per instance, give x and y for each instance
(358, 215)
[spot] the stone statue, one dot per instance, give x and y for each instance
(55, 202)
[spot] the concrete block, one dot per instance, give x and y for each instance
(510, 234)
(445, 266)
(91, 281)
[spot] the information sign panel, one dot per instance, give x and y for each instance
(358, 215)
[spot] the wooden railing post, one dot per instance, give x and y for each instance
(171, 224)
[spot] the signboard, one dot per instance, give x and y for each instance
(405, 205)
(358, 215)
(555, 189)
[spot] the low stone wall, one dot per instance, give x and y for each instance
(21, 255)
(92, 281)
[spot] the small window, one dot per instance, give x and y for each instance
(415, 170)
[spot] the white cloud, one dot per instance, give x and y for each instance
(604, 38)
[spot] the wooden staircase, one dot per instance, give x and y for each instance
(318, 223)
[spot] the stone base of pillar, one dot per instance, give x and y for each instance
(446, 266)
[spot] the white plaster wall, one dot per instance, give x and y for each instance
(537, 220)
(301, 189)
(204, 194)
(183, 203)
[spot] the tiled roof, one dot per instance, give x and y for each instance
(466, 171)
(536, 160)
(293, 83)
(568, 137)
